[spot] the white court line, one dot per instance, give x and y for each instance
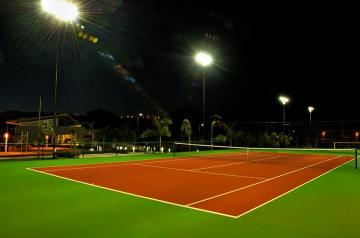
(201, 157)
(127, 163)
(201, 172)
(135, 195)
(248, 161)
(242, 162)
(147, 160)
(187, 206)
(291, 190)
(90, 167)
(264, 181)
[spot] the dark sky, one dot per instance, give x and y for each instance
(302, 50)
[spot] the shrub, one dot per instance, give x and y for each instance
(67, 154)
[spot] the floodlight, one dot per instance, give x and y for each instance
(311, 109)
(284, 100)
(63, 10)
(203, 59)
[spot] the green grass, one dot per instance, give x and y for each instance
(38, 205)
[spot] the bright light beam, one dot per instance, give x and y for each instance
(61, 9)
(203, 59)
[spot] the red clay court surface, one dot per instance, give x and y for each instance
(225, 184)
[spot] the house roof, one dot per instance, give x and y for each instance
(31, 119)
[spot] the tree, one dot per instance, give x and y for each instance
(274, 140)
(229, 131)
(239, 137)
(161, 129)
(285, 139)
(47, 128)
(220, 138)
(186, 129)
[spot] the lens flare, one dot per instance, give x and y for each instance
(61, 9)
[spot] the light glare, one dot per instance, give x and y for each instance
(203, 59)
(311, 109)
(61, 9)
(284, 100)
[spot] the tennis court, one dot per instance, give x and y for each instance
(228, 184)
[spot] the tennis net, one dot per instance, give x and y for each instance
(205, 149)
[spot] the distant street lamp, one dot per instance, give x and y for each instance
(284, 100)
(356, 136)
(6, 136)
(64, 11)
(323, 134)
(204, 60)
(310, 109)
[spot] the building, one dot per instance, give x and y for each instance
(41, 129)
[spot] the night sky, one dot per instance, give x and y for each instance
(143, 61)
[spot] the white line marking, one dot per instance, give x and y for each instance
(201, 157)
(242, 162)
(127, 163)
(135, 195)
(187, 206)
(264, 181)
(201, 172)
(113, 162)
(291, 190)
(90, 167)
(69, 165)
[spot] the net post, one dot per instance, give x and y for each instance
(356, 159)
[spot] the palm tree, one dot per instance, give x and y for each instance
(47, 128)
(161, 129)
(274, 140)
(212, 131)
(229, 130)
(285, 139)
(186, 130)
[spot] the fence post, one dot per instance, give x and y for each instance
(174, 148)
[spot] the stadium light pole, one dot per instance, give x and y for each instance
(310, 109)
(137, 122)
(284, 100)
(65, 12)
(204, 60)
